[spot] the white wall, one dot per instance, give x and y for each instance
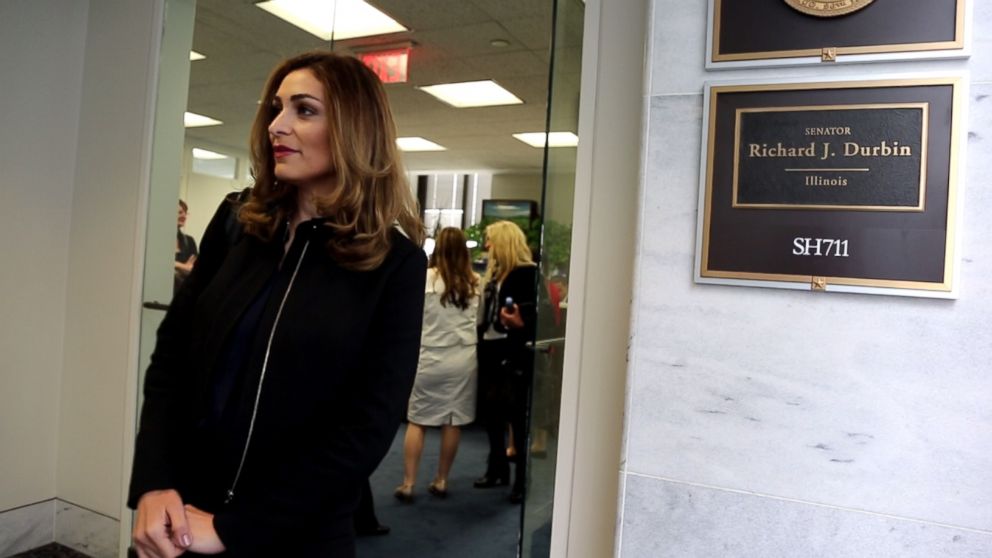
(527, 186)
(781, 423)
(104, 252)
(559, 195)
(41, 59)
(517, 186)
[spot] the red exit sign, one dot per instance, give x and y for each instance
(389, 65)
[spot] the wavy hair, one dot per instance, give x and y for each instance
(507, 250)
(453, 264)
(370, 193)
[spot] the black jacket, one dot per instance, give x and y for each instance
(342, 362)
(520, 285)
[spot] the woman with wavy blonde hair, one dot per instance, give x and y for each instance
(505, 364)
(508, 250)
(444, 393)
(285, 361)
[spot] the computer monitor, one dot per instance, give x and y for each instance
(509, 210)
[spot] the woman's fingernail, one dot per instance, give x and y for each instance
(186, 541)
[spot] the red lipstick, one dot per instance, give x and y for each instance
(281, 151)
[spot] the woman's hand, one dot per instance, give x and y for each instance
(205, 539)
(511, 319)
(160, 528)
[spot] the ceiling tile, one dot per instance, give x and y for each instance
(510, 9)
(424, 15)
(532, 32)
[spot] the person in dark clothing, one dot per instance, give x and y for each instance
(282, 369)
(186, 252)
(365, 520)
(505, 363)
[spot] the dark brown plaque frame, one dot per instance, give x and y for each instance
(885, 251)
(755, 30)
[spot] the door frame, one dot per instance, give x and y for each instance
(609, 166)
(608, 170)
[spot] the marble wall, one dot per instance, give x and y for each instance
(27, 527)
(765, 422)
(36, 525)
(89, 532)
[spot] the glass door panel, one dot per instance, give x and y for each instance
(167, 140)
(160, 232)
(242, 43)
(556, 238)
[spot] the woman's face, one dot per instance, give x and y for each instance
(181, 220)
(299, 131)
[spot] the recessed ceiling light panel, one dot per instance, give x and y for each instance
(554, 139)
(193, 120)
(418, 144)
(486, 93)
(333, 19)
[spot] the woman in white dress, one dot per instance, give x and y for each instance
(444, 392)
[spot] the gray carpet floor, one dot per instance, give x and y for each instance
(481, 523)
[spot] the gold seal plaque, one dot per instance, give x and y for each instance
(828, 8)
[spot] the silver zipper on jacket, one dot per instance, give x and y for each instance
(261, 378)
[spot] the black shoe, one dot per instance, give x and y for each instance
(489, 481)
(376, 530)
(516, 496)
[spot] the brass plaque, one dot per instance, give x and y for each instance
(834, 30)
(868, 157)
(828, 8)
(832, 185)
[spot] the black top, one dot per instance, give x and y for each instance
(520, 285)
(342, 363)
(185, 246)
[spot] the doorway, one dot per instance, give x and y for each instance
(217, 53)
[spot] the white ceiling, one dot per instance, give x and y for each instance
(452, 43)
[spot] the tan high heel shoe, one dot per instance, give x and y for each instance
(404, 493)
(438, 488)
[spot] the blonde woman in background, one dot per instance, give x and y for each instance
(505, 364)
(445, 389)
